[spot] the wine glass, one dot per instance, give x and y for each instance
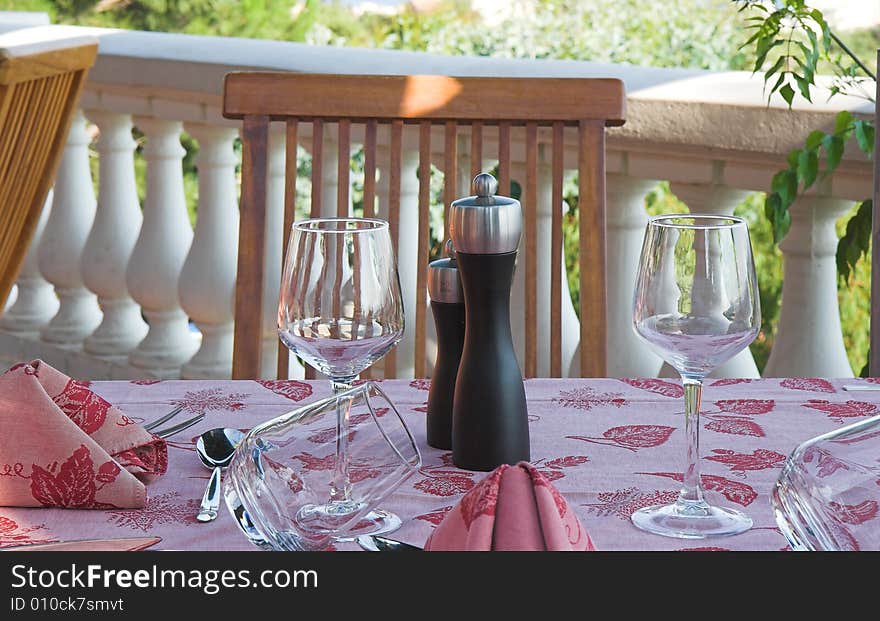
(340, 310)
(696, 304)
(279, 481)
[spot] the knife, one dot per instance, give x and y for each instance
(375, 543)
(129, 544)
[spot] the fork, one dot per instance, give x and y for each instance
(170, 431)
(164, 419)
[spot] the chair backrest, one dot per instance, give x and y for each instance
(42, 71)
(457, 104)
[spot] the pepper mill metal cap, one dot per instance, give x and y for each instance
(444, 284)
(485, 223)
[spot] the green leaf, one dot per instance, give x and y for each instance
(843, 121)
(833, 146)
(778, 216)
(787, 93)
(794, 157)
(814, 139)
(785, 184)
(776, 67)
(803, 86)
(807, 167)
(856, 241)
(865, 137)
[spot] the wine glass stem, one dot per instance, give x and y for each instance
(691, 491)
(340, 487)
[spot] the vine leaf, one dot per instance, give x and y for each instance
(856, 241)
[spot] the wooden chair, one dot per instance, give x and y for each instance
(42, 73)
(257, 98)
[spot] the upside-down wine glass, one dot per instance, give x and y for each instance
(696, 304)
(340, 310)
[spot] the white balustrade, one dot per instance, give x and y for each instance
(808, 339)
(35, 302)
(63, 241)
(207, 280)
(158, 255)
(111, 240)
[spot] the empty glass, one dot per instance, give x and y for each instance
(279, 485)
(696, 305)
(340, 310)
(828, 493)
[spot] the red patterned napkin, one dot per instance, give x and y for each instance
(61, 445)
(513, 508)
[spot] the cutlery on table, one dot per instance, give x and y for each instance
(170, 431)
(862, 387)
(215, 449)
(164, 419)
(377, 543)
(126, 544)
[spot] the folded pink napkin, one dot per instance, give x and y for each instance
(513, 508)
(61, 445)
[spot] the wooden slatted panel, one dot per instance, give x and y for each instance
(291, 144)
(370, 169)
(504, 158)
(343, 168)
(476, 150)
(246, 358)
(557, 173)
(591, 221)
(394, 170)
(423, 249)
(874, 349)
(450, 172)
(530, 222)
(317, 166)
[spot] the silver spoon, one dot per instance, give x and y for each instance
(215, 448)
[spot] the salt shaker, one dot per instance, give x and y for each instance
(447, 306)
(489, 420)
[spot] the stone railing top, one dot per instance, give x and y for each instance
(721, 111)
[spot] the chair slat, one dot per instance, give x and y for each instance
(591, 222)
(396, 147)
(343, 168)
(247, 356)
(290, 149)
(530, 222)
(450, 172)
(557, 174)
(423, 250)
(476, 150)
(370, 169)
(317, 166)
(504, 158)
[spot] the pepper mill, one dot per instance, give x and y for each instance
(447, 306)
(490, 423)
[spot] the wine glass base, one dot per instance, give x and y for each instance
(375, 522)
(691, 521)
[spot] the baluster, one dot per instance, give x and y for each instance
(61, 247)
(809, 341)
(717, 200)
(114, 233)
(35, 303)
(158, 255)
(207, 280)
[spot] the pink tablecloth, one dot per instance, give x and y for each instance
(610, 446)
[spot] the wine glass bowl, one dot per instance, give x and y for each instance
(696, 305)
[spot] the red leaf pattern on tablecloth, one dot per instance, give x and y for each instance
(759, 459)
(826, 464)
(72, 485)
(848, 409)
(144, 382)
(435, 517)
(731, 381)
(734, 491)
(294, 390)
(482, 498)
(855, 514)
(440, 482)
(657, 386)
(811, 384)
(735, 426)
(632, 437)
(746, 406)
(160, 510)
(211, 399)
(587, 398)
(11, 534)
(82, 406)
(310, 462)
(420, 384)
(566, 462)
(624, 502)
